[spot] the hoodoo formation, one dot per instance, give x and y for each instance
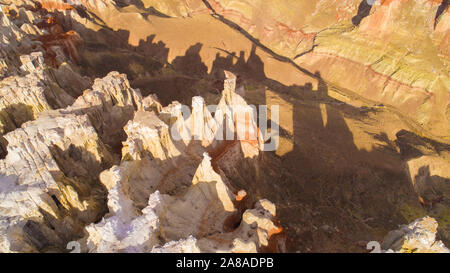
(224, 126)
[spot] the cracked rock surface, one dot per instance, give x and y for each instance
(96, 147)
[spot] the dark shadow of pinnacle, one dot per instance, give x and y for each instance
(441, 9)
(363, 11)
(256, 41)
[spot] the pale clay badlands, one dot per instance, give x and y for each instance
(93, 160)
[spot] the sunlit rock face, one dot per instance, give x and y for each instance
(99, 164)
(49, 191)
(168, 190)
(201, 214)
(52, 167)
(23, 97)
(53, 184)
(96, 148)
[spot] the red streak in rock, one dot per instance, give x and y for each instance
(69, 41)
(50, 5)
(371, 70)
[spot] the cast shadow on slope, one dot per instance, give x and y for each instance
(330, 194)
(325, 173)
(441, 9)
(78, 200)
(363, 11)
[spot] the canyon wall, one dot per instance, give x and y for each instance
(393, 53)
(87, 152)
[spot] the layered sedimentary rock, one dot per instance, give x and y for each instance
(99, 162)
(48, 184)
(197, 220)
(53, 184)
(28, 85)
(52, 166)
(165, 189)
(60, 134)
(361, 46)
(51, 159)
(369, 38)
(25, 96)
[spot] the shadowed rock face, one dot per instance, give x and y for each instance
(90, 91)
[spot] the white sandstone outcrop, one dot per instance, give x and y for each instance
(163, 191)
(417, 237)
(22, 97)
(166, 192)
(99, 163)
(195, 221)
(50, 181)
(50, 172)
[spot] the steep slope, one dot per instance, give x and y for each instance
(361, 46)
(363, 144)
